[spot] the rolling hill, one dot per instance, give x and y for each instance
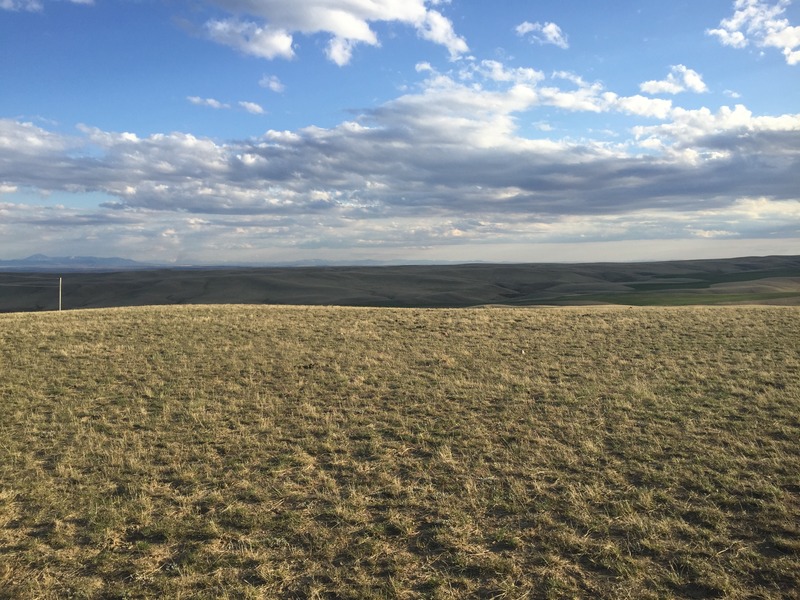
(771, 280)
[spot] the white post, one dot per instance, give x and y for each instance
(59, 294)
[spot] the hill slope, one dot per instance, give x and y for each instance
(761, 279)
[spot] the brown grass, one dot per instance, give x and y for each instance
(273, 452)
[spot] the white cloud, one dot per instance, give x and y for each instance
(340, 50)
(28, 139)
(711, 233)
(15, 5)
(446, 164)
(210, 102)
(765, 209)
(438, 29)
(250, 38)
(587, 97)
(735, 127)
(692, 79)
(252, 107)
(571, 77)
(543, 33)
(272, 82)
(275, 22)
(496, 71)
(760, 22)
(32, 5)
(734, 39)
(679, 79)
(641, 105)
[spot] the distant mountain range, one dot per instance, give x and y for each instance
(53, 264)
(40, 262)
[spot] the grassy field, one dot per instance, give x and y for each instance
(295, 452)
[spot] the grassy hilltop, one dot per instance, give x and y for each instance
(294, 452)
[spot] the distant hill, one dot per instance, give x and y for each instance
(763, 280)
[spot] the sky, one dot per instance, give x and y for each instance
(267, 131)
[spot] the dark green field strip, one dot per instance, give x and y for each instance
(675, 299)
(706, 280)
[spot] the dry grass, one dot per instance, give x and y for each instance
(361, 453)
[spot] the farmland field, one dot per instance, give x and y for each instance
(301, 452)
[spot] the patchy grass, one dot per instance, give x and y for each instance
(363, 453)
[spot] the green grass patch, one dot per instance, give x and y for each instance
(294, 452)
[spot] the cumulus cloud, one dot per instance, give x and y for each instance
(250, 38)
(340, 50)
(30, 140)
(761, 23)
(731, 129)
(445, 164)
(496, 71)
(32, 5)
(252, 107)
(438, 29)
(268, 30)
(272, 82)
(428, 147)
(15, 5)
(543, 33)
(593, 97)
(679, 79)
(210, 102)
(640, 105)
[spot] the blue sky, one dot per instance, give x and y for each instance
(231, 131)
